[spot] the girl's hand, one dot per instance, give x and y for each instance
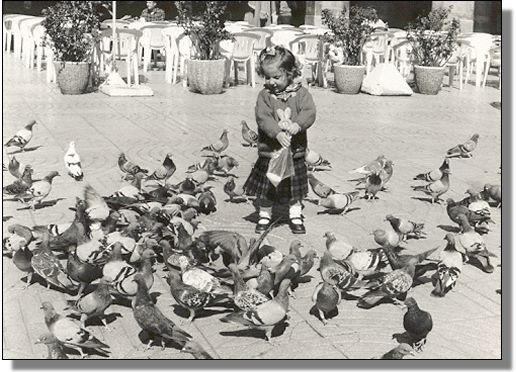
(294, 129)
(284, 139)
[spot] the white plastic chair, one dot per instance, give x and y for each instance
(481, 44)
(374, 49)
(399, 55)
(7, 35)
(152, 39)
(243, 53)
(283, 37)
(495, 60)
(319, 31)
(170, 37)
(307, 49)
(265, 39)
(456, 64)
(126, 49)
(38, 49)
(185, 48)
(28, 44)
(16, 32)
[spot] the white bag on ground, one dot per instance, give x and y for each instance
(385, 80)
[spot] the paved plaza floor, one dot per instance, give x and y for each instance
(414, 132)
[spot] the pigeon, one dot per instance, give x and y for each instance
(165, 171)
(338, 203)
(448, 268)
(200, 176)
(220, 145)
(93, 304)
(249, 135)
(494, 192)
(314, 160)
(418, 323)
(471, 244)
(150, 318)
(288, 268)
(477, 205)
(22, 137)
(436, 188)
(245, 298)
(436, 174)
(198, 278)
(373, 185)
(326, 298)
(88, 270)
(399, 352)
(385, 174)
(391, 286)
(263, 283)
(40, 189)
(339, 250)
(464, 150)
(129, 167)
(209, 165)
(374, 166)
(398, 261)
(15, 168)
(319, 188)
(54, 346)
(71, 334)
(97, 210)
(22, 260)
(131, 192)
(455, 210)
(233, 190)
(196, 350)
(265, 316)
(405, 227)
(387, 238)
(125, 284)
(20, 187)
(72, 162)
(225, 164)
(340, 275)
(190, 297)
(207, 202)
(48, 266)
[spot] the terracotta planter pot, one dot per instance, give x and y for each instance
(348, 79)
(429, 79)
(72, 77)
(206, 77)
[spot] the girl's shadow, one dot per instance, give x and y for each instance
(27, 149)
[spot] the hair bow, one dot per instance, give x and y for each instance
(270, 51)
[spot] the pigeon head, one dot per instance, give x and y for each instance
(47, 338)
(296, 244)
(148, 254)
(329, 235)
(410, 302)
(30, 124)
(72, 145)
(312, 253)
(405, 349)
(475, 137)
(450, 238)
(51, 176)
(47, 306)
(232, 162)
(487, 186)
(450, 202)
(389, 217)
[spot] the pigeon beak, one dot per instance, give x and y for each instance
(412, 353)
(37, 342)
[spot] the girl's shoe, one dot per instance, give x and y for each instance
(297, 226)
(262, 225)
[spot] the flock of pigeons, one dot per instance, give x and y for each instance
(109, 252)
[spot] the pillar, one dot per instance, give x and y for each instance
(464, 11)
(314, 8)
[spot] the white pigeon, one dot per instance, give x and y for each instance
(72, 162)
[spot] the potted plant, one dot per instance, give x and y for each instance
(206, 69)
(69, 28)
(346, 38)
(433, 39)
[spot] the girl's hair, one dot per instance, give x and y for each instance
(284, 57)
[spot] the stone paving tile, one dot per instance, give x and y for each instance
(413, 131)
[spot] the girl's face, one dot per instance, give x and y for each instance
(276, 79)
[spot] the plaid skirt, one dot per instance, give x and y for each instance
(290, 189)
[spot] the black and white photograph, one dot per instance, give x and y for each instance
(240, 180)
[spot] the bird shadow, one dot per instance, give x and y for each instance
(329, 315)
(421, 281)
(338, 211)
(449, 228)
(199, 314)
(402, 338)
(236, 201)
(426, 200)
(313, 201)
(320, 169)
(6, 218)
(45, 204)
(27, 149)
(278, 330)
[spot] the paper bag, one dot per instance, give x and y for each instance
(281, 166)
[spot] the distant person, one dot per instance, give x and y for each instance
(152, 13)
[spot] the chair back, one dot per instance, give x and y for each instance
(127, 41)
(284, 37)
(319, 31)
(379, 42)
(170, 36)
(185, 46)
(38, 34)
(265, 38)
(152, 36)
(244, 45)
(120, 23)
(306, 46)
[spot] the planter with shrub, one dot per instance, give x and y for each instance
(345, 41)
(70, 26)
(433, 39)
(206, 70)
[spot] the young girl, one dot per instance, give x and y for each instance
(281, 91)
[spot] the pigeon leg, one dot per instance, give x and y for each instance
(149, 344)
(291, 293)
(323, 318)
(192, 315)
(103, 320)
(82, 287)
(268, 335)
(418, 346)
(29, 281)
(399, 303)
(48, 286)
(162, 344)
(84, 317)
(82, 353)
